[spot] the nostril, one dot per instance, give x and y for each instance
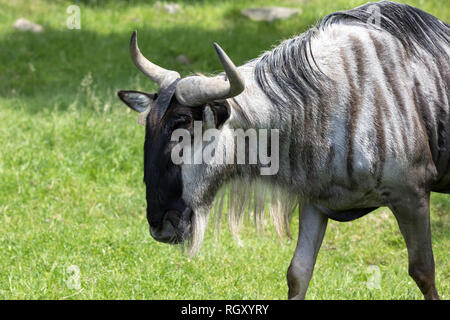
(173, 217)
(175, 226)
(154, 224)
(179, 219)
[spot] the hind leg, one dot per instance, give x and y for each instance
(412, 212)
(312, 228)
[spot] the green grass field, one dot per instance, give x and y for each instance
(71, 191)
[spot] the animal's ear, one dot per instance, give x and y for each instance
(220, 111)
(136, 100)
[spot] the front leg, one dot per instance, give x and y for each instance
(312, 226)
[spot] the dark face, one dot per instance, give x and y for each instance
(168, 215)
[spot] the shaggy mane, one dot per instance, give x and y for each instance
(286, 73)
(289, 75)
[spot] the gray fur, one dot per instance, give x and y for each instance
(365, 124)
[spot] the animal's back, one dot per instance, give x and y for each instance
(391, 107)
(380, 117)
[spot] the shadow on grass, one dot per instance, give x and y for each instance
(49, 67)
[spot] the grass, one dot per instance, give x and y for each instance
(71, 191)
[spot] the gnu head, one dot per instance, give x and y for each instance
(178, 103)
(364, 121)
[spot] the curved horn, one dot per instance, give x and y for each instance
(198, 90)
(159, 75)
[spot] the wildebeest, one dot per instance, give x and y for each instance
(361, 102)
